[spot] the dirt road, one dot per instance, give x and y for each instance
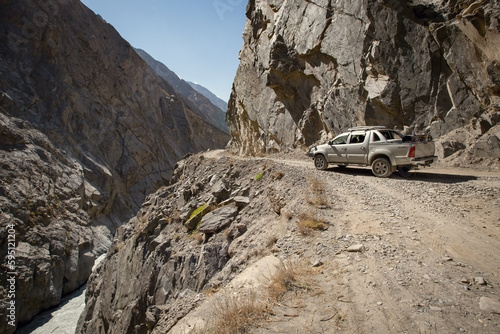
(426, 255)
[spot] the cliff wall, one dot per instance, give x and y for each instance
(311, 69)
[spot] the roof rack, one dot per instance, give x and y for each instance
(369, 127)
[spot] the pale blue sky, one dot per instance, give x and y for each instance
(197, 39)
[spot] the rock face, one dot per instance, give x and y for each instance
(87, 130)
(310, 69)
(211, 113)
(157, 268)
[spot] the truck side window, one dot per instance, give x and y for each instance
(357, 139)
(376, 137)
(340, 140)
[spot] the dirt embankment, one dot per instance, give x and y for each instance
(413, 255)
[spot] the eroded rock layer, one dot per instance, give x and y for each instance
(310, 69)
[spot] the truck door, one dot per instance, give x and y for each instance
(337, 150)
(357, 148)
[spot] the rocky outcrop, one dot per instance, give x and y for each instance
(206, 109)
(87, 130)
(310, 69)
(158, 267)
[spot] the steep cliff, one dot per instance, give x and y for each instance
(186, 238)
(310, 69)
(206, 109)
(87, 130)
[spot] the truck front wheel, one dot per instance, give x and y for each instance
(381, 167)
(320, 162)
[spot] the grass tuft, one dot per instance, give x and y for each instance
(289, 276)
(236, 314)
(317, 195)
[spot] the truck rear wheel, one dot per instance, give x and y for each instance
(381, 167)
(320, 162)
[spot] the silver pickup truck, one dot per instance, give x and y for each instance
(383, 149)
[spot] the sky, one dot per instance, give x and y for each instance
(197, 39)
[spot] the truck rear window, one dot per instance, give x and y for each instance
(389, 135)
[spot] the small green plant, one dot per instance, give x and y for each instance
(198, 211)
(259, 176)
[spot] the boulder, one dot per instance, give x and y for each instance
(489, 304)
(241, 201)
(218, 219)
(220, 191)
(450, 147)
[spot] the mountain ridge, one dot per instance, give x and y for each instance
(207, 109)
(217, 101)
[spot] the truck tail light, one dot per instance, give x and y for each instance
(411, 154)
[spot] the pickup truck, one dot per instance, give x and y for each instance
(385, 150)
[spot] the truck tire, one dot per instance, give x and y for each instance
(320, 162)
(381, 167)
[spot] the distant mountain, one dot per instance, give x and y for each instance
(217, 101)
(207, 110)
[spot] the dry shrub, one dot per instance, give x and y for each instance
(308, 223)
(287, 215)
(257, 252)
(271, 241)
(236, 314)
(289, 276)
